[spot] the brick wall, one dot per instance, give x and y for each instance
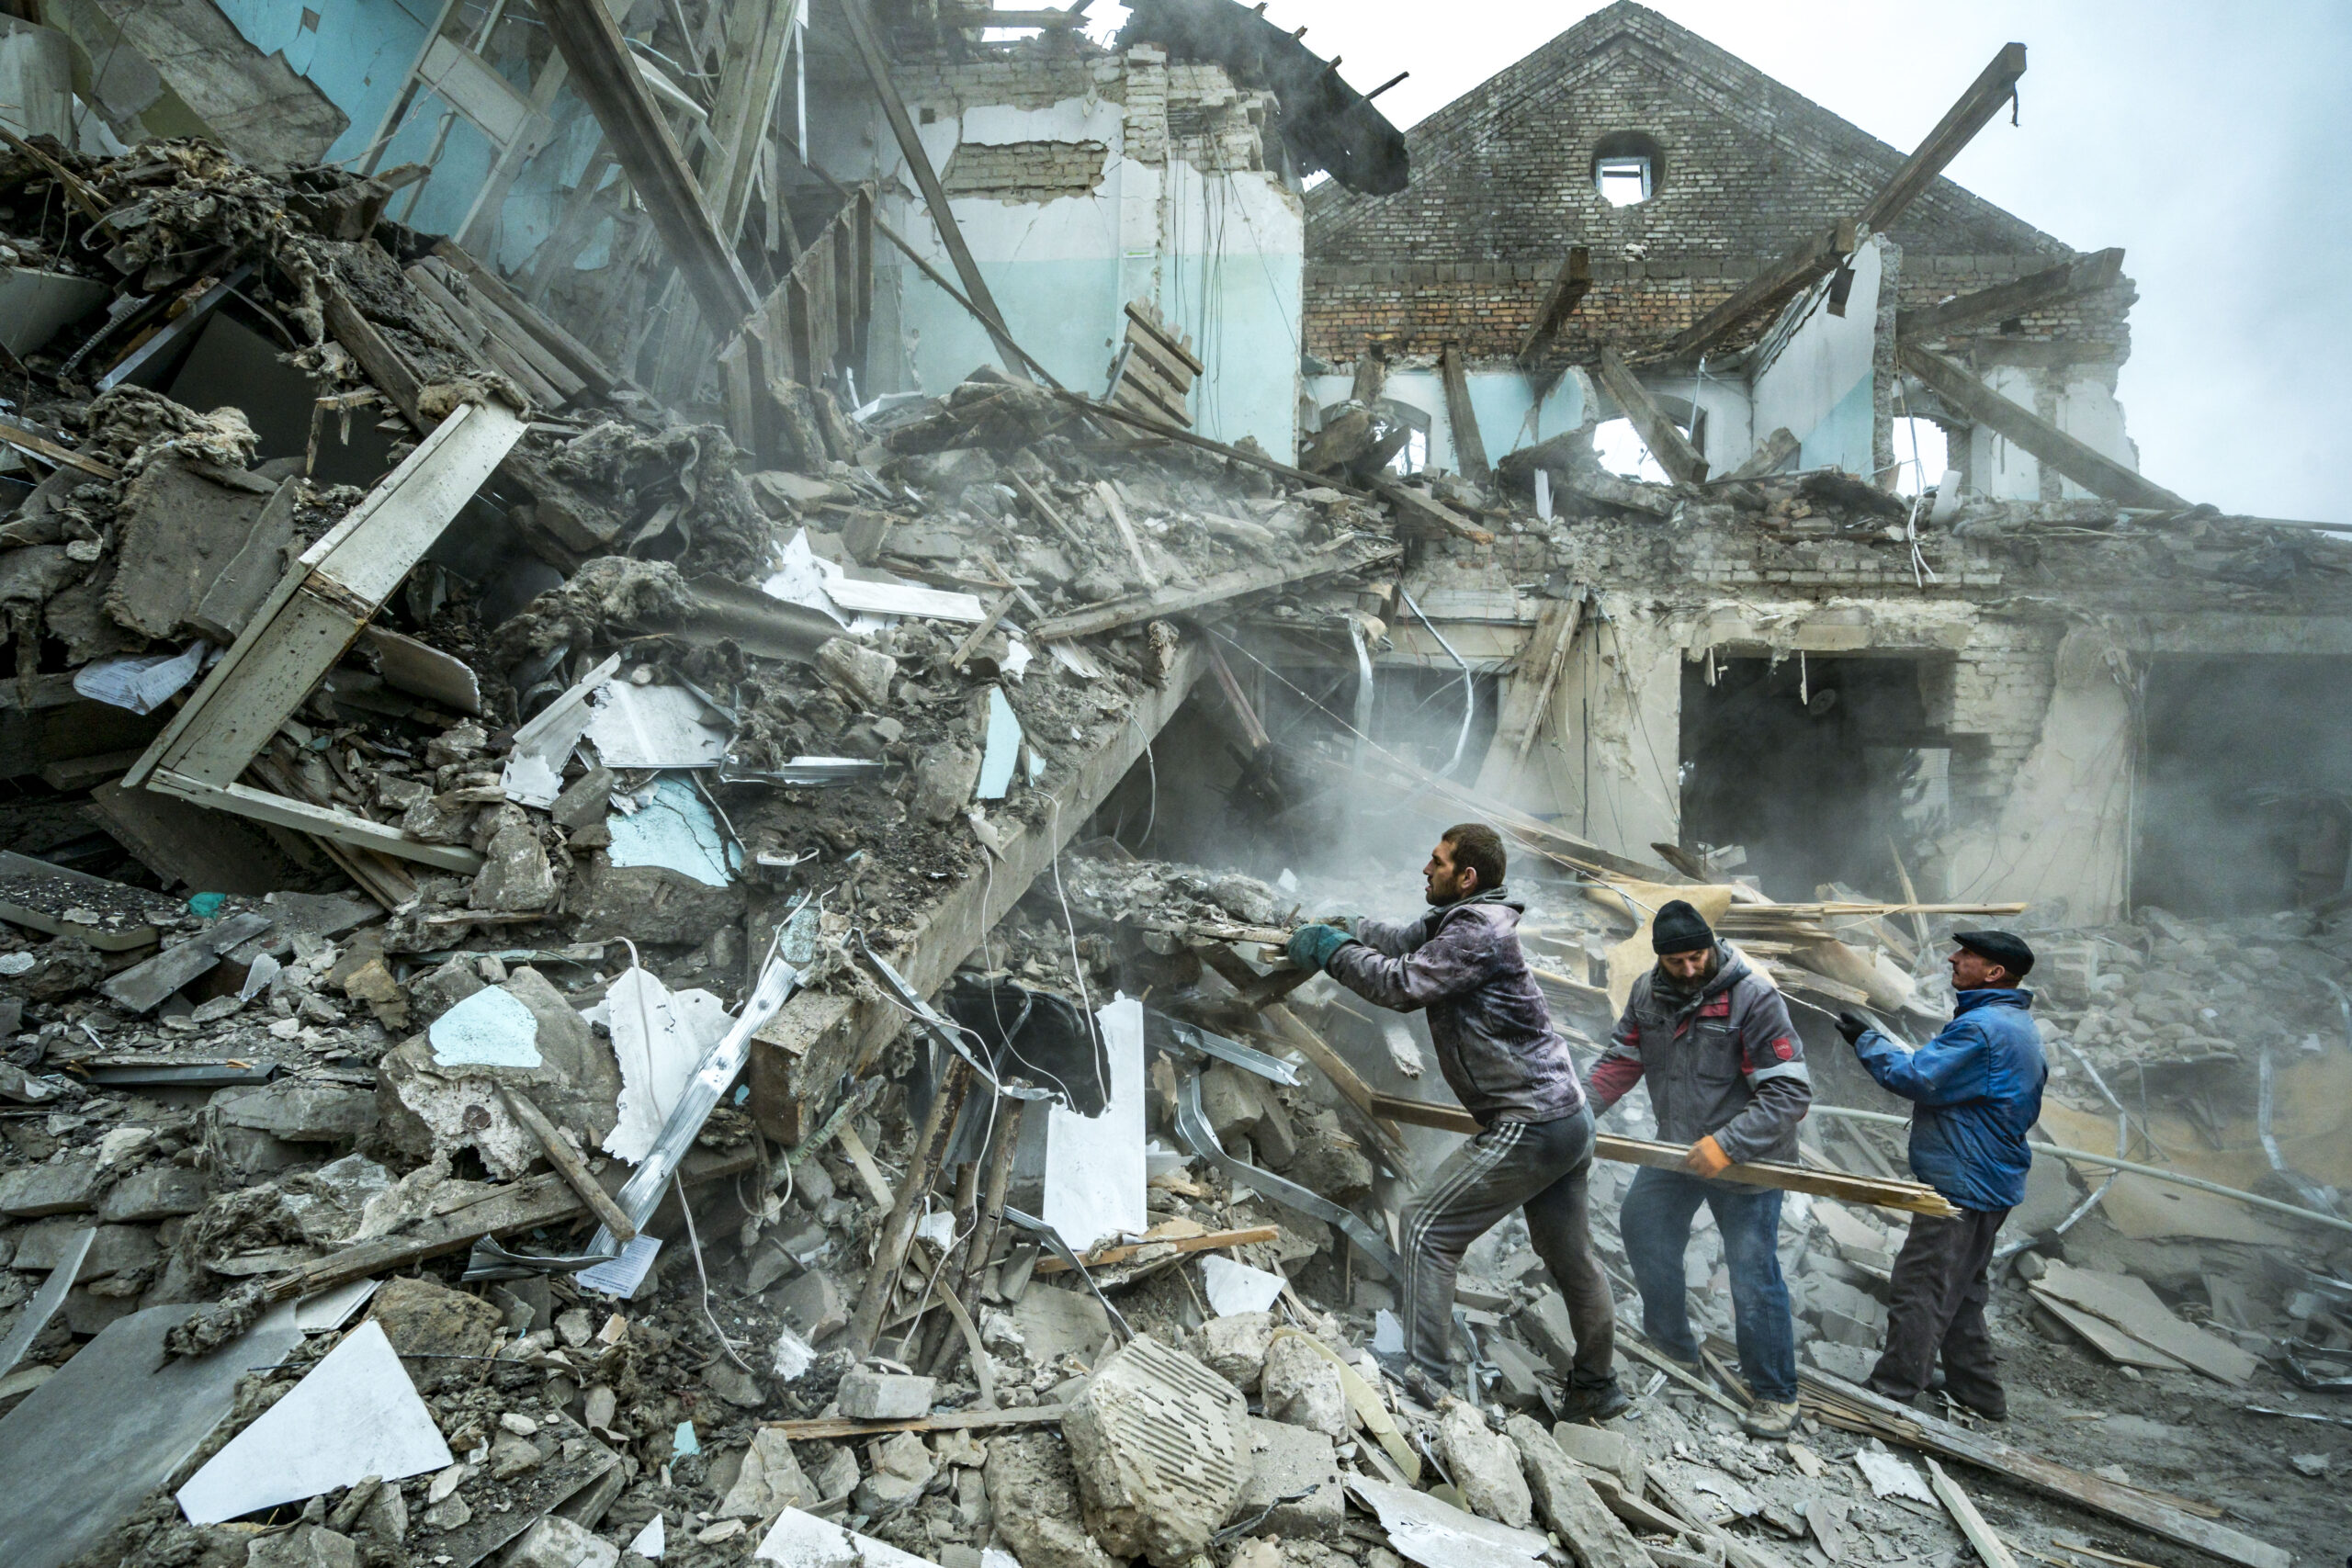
(1503, 186)
(1024, 171)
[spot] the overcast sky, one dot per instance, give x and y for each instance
(2209, 140)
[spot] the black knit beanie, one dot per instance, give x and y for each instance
(1680, 928)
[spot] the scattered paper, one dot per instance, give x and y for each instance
(354, 1415)
(621, 1276)
(490, 1029)
(804, 1540)
(1891, 1477)
(140, 682)
(1236, 1287)
(649, 1542)
(794, 1355)
(659, 1039)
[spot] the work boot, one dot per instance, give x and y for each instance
(1410, 1376)
(1596, 1405)
(1770, 1419)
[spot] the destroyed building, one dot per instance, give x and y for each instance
(673, 671)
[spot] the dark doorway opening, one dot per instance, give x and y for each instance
(1821, 769)
(2245, 796)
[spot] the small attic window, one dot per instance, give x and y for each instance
(1627, 168)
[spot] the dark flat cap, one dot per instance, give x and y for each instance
(2009, 951)
(1680, 928)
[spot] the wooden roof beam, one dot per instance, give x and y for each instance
(605, 74)
(1819, 254)
(1572, 284)
(1667, 444)
(2087, 274)
(934, 195)
(1965, 395)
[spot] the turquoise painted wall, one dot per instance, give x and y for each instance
(1842, 439)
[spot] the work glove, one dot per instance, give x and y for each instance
(1853, 1026)
(1706, 1157)
(1310, 947)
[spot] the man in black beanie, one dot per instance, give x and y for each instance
(1712, 1038)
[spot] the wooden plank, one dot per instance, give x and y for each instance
(385, 365)
(605, 74)
(1774, 450)
(1353, 556)
(2128, 1302)
(749, 80)
(1527, 696)
(1208, 1241)
(839, 1427)
(1409, 501)
(934, 195)
(1179, 434)
(567, 1163)
(24, 439)
(1570, 286)
(1109, 496)
(2018, 297)
(1462, 419)
(1667, 444)
(1814, 257)
(1142, 346)
(344, 827)
(1852, 1408)
(575, 356)
(1154, 328)
(1983, 98)
(1970, 398)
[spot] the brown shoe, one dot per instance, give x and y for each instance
(1771, 1420)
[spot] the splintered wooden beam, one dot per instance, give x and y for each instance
(1674, 453)
(1573, 282)
(1200, 593)
(2087, 274)
(1959, 127)
(1469, 447)
(605, 74)
(934, 195)
(1970, 398)
(1815, 255)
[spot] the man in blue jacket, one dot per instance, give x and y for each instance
(1978, 1089)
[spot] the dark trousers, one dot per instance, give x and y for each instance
(1537, 1166)
(1937, 1304)
(1655, 1223)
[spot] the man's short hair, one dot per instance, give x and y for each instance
(1480, 848)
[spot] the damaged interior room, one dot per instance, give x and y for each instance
(872, 783)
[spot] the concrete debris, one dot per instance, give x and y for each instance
(466, 617)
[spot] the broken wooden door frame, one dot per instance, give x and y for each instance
(310, 620)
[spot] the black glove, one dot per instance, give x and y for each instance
(1853, 1025)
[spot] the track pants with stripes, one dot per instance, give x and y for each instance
(1541, 1166)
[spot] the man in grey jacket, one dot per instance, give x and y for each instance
(1460, 963)
(1726, 1074)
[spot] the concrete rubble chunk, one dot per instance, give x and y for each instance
(554, 1542)
(305, 1546)
(858, 671)
(1304, 1389)
(769, 1483)
(1567, 1501)
(867, 1396)
(1160, 1445)
(1597, 1448)
(153, 1192)
(424, 1319)
(1485, 1466)
(903, 1468)
(1034, 1499)
(1234, 1347)
(68, 1187)
(1287, 1459)
(811, 1303)
(300, 1112)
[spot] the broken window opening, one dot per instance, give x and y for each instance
(1922, 453)
(1414, 457)
(2244, 805)
(1621, 450)
(1622, 181)
(1814, 766)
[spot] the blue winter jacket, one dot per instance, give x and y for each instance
(1978, 1086)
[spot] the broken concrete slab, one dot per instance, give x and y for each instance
(299, 1111)
(50, 1245)
(143, 986)
(426, 1319)
(554, 1542)
(1055, 1322)
(1485, 1466)
(1160, 1445)
(87, 1446)
(205, 852)
(45, 1302)
(1597, 1448)
(1434, 1534)
(1288, 1460)
(1234, 1347)
(354, 1415)
(799, 1539)
(67, 1186)
(184, 521)
(1034, 1501)
(439, 1092)
(1567, 1501)
(769, 1482)
(903, 1468)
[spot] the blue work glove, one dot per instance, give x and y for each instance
(1310, 947)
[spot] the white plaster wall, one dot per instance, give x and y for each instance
(2063, 839)
(1817, 384)
(1507, 417)
(2086, 410)
(1611, 754)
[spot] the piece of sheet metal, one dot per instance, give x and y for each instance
(1053, 1242)
(1192, 1126)
(940, 1028)
(1193, 1037)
